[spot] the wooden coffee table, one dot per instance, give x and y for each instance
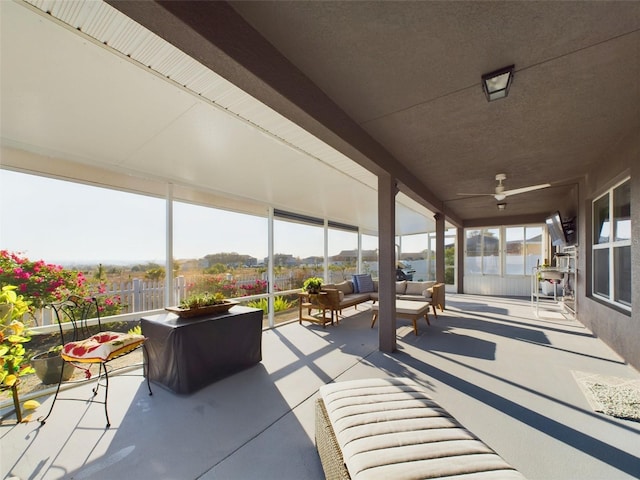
(409, 309)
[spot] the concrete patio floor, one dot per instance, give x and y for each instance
(503, 373)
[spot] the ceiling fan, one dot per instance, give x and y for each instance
(500, 193)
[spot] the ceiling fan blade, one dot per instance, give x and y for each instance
(516, 191)
(475, 194)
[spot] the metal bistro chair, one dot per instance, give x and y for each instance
(79, 319)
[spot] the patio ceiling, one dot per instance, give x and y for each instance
(392, 86)
(397, 85)
(85, 84)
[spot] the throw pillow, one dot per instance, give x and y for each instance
(416, 288)
(354, 280)
(401, 287)
(345, 287)
(364, 282)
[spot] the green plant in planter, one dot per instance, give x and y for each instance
(202, 300)
(312, 284)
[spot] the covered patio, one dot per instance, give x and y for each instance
(308, 107)
(508, 376)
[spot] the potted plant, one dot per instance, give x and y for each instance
(312, 285)
(13, 336)
(47, 366)
(200, 304)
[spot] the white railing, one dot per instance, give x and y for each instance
(140, 295)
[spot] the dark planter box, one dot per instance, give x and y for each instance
(186, 355)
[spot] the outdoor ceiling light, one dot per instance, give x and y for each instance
(496, 84)
(502, 205)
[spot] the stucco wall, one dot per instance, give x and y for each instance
(619, 329)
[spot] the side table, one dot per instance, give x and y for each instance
(310, 301)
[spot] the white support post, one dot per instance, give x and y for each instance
(326, 251)
(270, 275)
(169, 297)
(359, 253)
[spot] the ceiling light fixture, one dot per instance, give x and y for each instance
(496, 84)
(502, 205)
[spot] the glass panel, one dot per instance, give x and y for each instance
(298, 253)
(601, 271)
(220, 251)
(514, 259)
(418, 258)
(101, 239)
(533, 248)
(473, 248)
(369, 245)
(491, 251)
(343, 254)
(622, 211)
(601, 220)
(622, 269)
(450, 256)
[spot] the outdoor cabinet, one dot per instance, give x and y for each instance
(187, 354)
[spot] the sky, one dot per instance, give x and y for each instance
(65, 222)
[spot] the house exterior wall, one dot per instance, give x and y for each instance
(617, 328)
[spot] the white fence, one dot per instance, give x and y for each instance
(140, 295)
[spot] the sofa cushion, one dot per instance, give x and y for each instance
(401, 287)
(345, 287)
(364, 283)
(355, 298)
(417, 288)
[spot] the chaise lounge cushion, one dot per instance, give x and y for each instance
(391, 428)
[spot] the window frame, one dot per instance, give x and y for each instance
(610, 246)
(502, 249)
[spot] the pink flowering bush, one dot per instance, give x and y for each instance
(41, 283)
(38, 282)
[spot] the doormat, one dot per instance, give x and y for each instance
(613, 396)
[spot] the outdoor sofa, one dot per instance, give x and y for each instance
(350, 293)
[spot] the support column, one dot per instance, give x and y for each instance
(169, 288)
(270, 274)
(386, 263)
(439, 218)
(460, 246)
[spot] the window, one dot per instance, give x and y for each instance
(503, 250)
(523, 249)
(612, 245)
(298, 250)
(343, 262)
(219, 251)
(483, 251)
